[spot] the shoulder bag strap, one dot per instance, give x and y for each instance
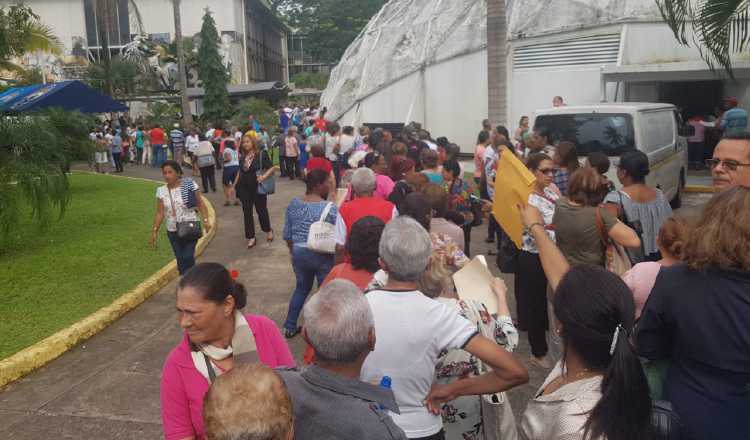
(603, 235)
(174, 210)
(622, 206)
(210, 368)
(324, 215)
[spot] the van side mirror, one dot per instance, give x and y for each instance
(686, 130)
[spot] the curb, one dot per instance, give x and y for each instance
(702, 189)
(50, 348)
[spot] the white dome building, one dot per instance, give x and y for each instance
(426, 61)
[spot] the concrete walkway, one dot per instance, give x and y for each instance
(108, 387)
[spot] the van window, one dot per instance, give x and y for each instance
(610, 133)
(658, 130)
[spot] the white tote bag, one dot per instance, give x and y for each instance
(321, 238)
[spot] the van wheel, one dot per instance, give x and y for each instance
(676, 202)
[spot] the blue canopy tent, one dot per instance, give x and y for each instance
(68, 95)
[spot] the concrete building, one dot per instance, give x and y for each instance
(587, 51)
(300, 60)
(253, 39)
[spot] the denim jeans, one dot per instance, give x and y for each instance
(308, 265)
(184, 252)
(159, 155)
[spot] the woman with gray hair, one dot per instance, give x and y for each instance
(363, 205)
(413, 330)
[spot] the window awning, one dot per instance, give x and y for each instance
(677, 71)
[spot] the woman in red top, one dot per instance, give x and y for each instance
(319, 161)
(362, 250)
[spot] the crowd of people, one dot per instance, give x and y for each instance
(657, 346)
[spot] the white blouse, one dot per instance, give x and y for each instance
(560, 415)
(180, 213)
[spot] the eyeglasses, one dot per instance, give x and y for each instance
(547, 171)
(730, 165)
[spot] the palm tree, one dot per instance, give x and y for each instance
(719, 28)
(105, 13)
(39, 38)
(187, 117)
(497, 42)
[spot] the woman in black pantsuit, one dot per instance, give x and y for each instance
(253, 160)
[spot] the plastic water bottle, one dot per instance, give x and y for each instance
(385, 382)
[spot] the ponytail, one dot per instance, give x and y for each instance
(624, 411)
(240, 295)
(215, 283)
(597, 314)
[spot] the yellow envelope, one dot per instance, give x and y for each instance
(513, 184)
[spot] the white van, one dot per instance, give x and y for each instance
(616, 128)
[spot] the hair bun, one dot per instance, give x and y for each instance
(240, 295)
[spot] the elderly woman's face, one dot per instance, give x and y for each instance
(203, 320)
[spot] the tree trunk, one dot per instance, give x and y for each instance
(187, 116)
(497, 46)
(103, 14)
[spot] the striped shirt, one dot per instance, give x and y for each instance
(178, 138)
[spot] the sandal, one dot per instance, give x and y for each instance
(251, 243)
(289, 333)
(269, 236)
(226, 203)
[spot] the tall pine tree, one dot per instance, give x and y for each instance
(212, 73)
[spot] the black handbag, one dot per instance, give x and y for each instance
(188, 230)
(665, 421)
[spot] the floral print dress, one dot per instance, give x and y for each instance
(462, 417)
(459, 196)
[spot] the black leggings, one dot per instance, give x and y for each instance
(208, 176)
(260, 201)
(292, 167)
(531, 301)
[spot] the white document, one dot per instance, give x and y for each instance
(474, 282)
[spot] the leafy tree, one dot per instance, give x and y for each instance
(34, 154)
(106, 20)
(212, 72)
(261, 110)
(163, 113)
(21, 32)
(307, 80)
(125, 76)
(719, 28)
(331, 25)
(27, 77)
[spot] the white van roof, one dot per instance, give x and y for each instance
(606, 107)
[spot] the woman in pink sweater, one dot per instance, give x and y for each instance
(217, 336)
(642, 277)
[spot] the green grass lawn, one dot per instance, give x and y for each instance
(98, 251)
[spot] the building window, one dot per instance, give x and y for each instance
(116, 19)
(164, 37)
